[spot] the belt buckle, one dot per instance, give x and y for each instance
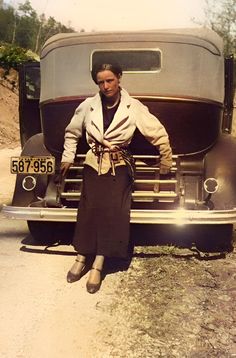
(115, 157)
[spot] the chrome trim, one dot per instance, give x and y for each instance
(33, 183)
(155, 181)
(136, 181)
(177, 217)
(140, 194)
(216, 185)
(153, 194)
(73, 180)
(136, 156)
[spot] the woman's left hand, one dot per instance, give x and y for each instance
(65, 167)
(164, 169)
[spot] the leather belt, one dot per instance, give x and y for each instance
(115, 156)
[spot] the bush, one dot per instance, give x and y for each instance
(12, 56)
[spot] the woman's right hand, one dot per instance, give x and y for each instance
(65, 167)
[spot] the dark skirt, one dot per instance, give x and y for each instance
(103, 221)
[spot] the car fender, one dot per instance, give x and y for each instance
(37, 184)
(220, 164)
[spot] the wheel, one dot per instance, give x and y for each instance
(50, 232)
(215, 238)
(206, 238)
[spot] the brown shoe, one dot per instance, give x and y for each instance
(73, 277)
(94, 287)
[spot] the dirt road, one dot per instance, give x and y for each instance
(167, 302)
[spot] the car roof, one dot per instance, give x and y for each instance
(201, 36)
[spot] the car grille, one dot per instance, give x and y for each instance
(149, 186)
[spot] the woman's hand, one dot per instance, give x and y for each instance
(65, 167)
(164, 169)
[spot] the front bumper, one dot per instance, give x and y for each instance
(177, 217)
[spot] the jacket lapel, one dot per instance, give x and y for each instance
(121, 114)
(96, 116)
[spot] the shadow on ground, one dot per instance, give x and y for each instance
(215, 239)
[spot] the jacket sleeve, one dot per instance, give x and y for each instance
(73, 133)
(155, 133)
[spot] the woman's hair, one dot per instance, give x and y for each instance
(99, 67)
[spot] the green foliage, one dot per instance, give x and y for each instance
(7, 20)
(24, 28)
(12, 56)
(51, 27)
(27, 9)
(221, 17)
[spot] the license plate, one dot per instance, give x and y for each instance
(33, 165)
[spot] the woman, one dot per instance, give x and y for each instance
(110, 119)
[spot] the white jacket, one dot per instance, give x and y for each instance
(131, 114)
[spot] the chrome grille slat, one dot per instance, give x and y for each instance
(155, 181)
(150, 189)
(136, 196)
(137, 181)
(73, 180)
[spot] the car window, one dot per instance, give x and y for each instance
(131, 60)
(32, 82)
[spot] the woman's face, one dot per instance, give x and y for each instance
(108, 84)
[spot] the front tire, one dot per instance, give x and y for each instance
(49, 233)
(215, 238)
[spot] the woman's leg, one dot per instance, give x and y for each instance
(76, 270)
(94, 280)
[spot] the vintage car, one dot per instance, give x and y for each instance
(183, 78)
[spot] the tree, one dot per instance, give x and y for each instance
(52, 27)
(26, 29)
(27, 9)
(7, 20)
(221, 17)
(42, 20)
(23, 27)
(33, 30)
